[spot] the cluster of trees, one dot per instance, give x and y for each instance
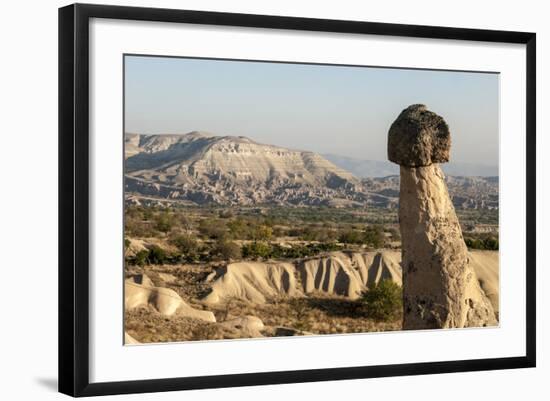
(189, 250)
(235, 229)
(264, 250)
(371, 235)
(152, 222)
(488, 243)
(153, 256)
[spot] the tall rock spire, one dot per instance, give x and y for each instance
(440, 287)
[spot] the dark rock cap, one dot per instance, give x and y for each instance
(419, 137)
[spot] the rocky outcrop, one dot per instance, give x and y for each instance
(348, 274)
(247, 326)
(252, 281)
(440, 287)
(419, 137)
(339, 273)
(140, 291)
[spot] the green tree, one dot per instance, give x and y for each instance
(262, 233)
(237, 228)
(157, 255)
(350, 237)
(491, 243)
(384, 301)
(374, 236)
(186, 244)
(257, 250)
(141, 258)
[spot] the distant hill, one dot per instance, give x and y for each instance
(378, 168)
(202, 168)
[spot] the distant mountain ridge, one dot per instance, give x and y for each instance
(202, 168)
(363, 168)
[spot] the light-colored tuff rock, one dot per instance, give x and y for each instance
(129, 340)
(250, 326)
(252, 281)
(486, 266)
(140, 291)
(440, 286)
(348, 274)
(338, 273)
(344, 274)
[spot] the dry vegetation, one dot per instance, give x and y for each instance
(179, 247)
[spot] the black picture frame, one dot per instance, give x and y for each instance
(74, 200)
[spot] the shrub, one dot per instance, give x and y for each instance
(318, 234)
(395, 235)
(137, 228)
(256, 250)
(374, 236)
(141, 258)
(187, 245)
(227, 250)
(384, 301)
(262, 233)
(147, 213)
(213, 229)
(237, 228)
(351, 237)
(163, 223)
(489, 243)
(157, 255)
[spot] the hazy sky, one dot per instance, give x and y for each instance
(326, 109)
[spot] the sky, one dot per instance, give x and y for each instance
(322, 108)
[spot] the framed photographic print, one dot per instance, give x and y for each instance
(251, 199)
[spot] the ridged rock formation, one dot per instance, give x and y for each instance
(348, 274)
(339, 273)
(440, 287)
(252, 281)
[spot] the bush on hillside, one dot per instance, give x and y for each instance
(384, 301)
(186, 244)
(227, 250)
